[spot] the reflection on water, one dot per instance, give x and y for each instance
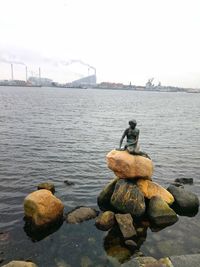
(54, 135)
(39, 233)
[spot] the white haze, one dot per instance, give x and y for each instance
(125, 40)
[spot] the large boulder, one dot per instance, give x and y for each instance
(125, 223)
(126, 165)
(160, 214)
(81, 214)
(127, 198)
(104, 197)
(185, 202)
(105, 220)
(151, 189)
(42, 207)
(20, 264)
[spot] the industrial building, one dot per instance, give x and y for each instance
(88, 81)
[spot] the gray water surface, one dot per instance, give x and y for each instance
(49, 134)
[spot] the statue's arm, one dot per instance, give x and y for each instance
(122, 138)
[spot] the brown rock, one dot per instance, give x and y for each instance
(42, 207)
(125, 165)
(151, 189)
(125, 223)
(20, 264)
(105, 220)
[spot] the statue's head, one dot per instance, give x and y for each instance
(132, 123)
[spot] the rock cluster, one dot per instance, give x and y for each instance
(44, 212)
(131, 203)
(132, 198)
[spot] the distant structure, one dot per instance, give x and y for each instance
(38, 81)
(86, 81)
(149, 83)
(13, 83)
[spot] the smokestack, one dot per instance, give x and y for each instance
(39, 73)
(26, 73)
(12, 77)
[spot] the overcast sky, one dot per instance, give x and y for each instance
(125, 40)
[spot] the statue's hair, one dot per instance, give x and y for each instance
(133, 122)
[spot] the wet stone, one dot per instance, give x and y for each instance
(160, 213)
(166, 261)
(115, 247)
(139, 262)
(185, 201)
(61, 263)
(104, 197)
(86, 262)
(184, 180)
(155, 264)
(177, 184)
(47, 186)
(20, 264)
(105, 220)
(81, 214)
(120, 253)
(130, 243)
(67, 182)
(125, 223)
(127, 198)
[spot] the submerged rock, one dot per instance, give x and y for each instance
(43, 208)
(104, 197)
(126, 165)
(140, 262)
(20, 264)
(47, 186)
(125, 223)
(115, 247)
(105, 220)
(67, 182)
(160, 213)
(185, 201)
(177, 184)
(81, 214)
(127, 198)
(184, 180)
(86, 262)
(151, 189)
(130, 243)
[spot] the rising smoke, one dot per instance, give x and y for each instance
(11, 61)
(26, 58)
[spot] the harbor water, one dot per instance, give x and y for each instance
(57, 134)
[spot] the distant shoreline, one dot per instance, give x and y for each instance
(136, 89)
